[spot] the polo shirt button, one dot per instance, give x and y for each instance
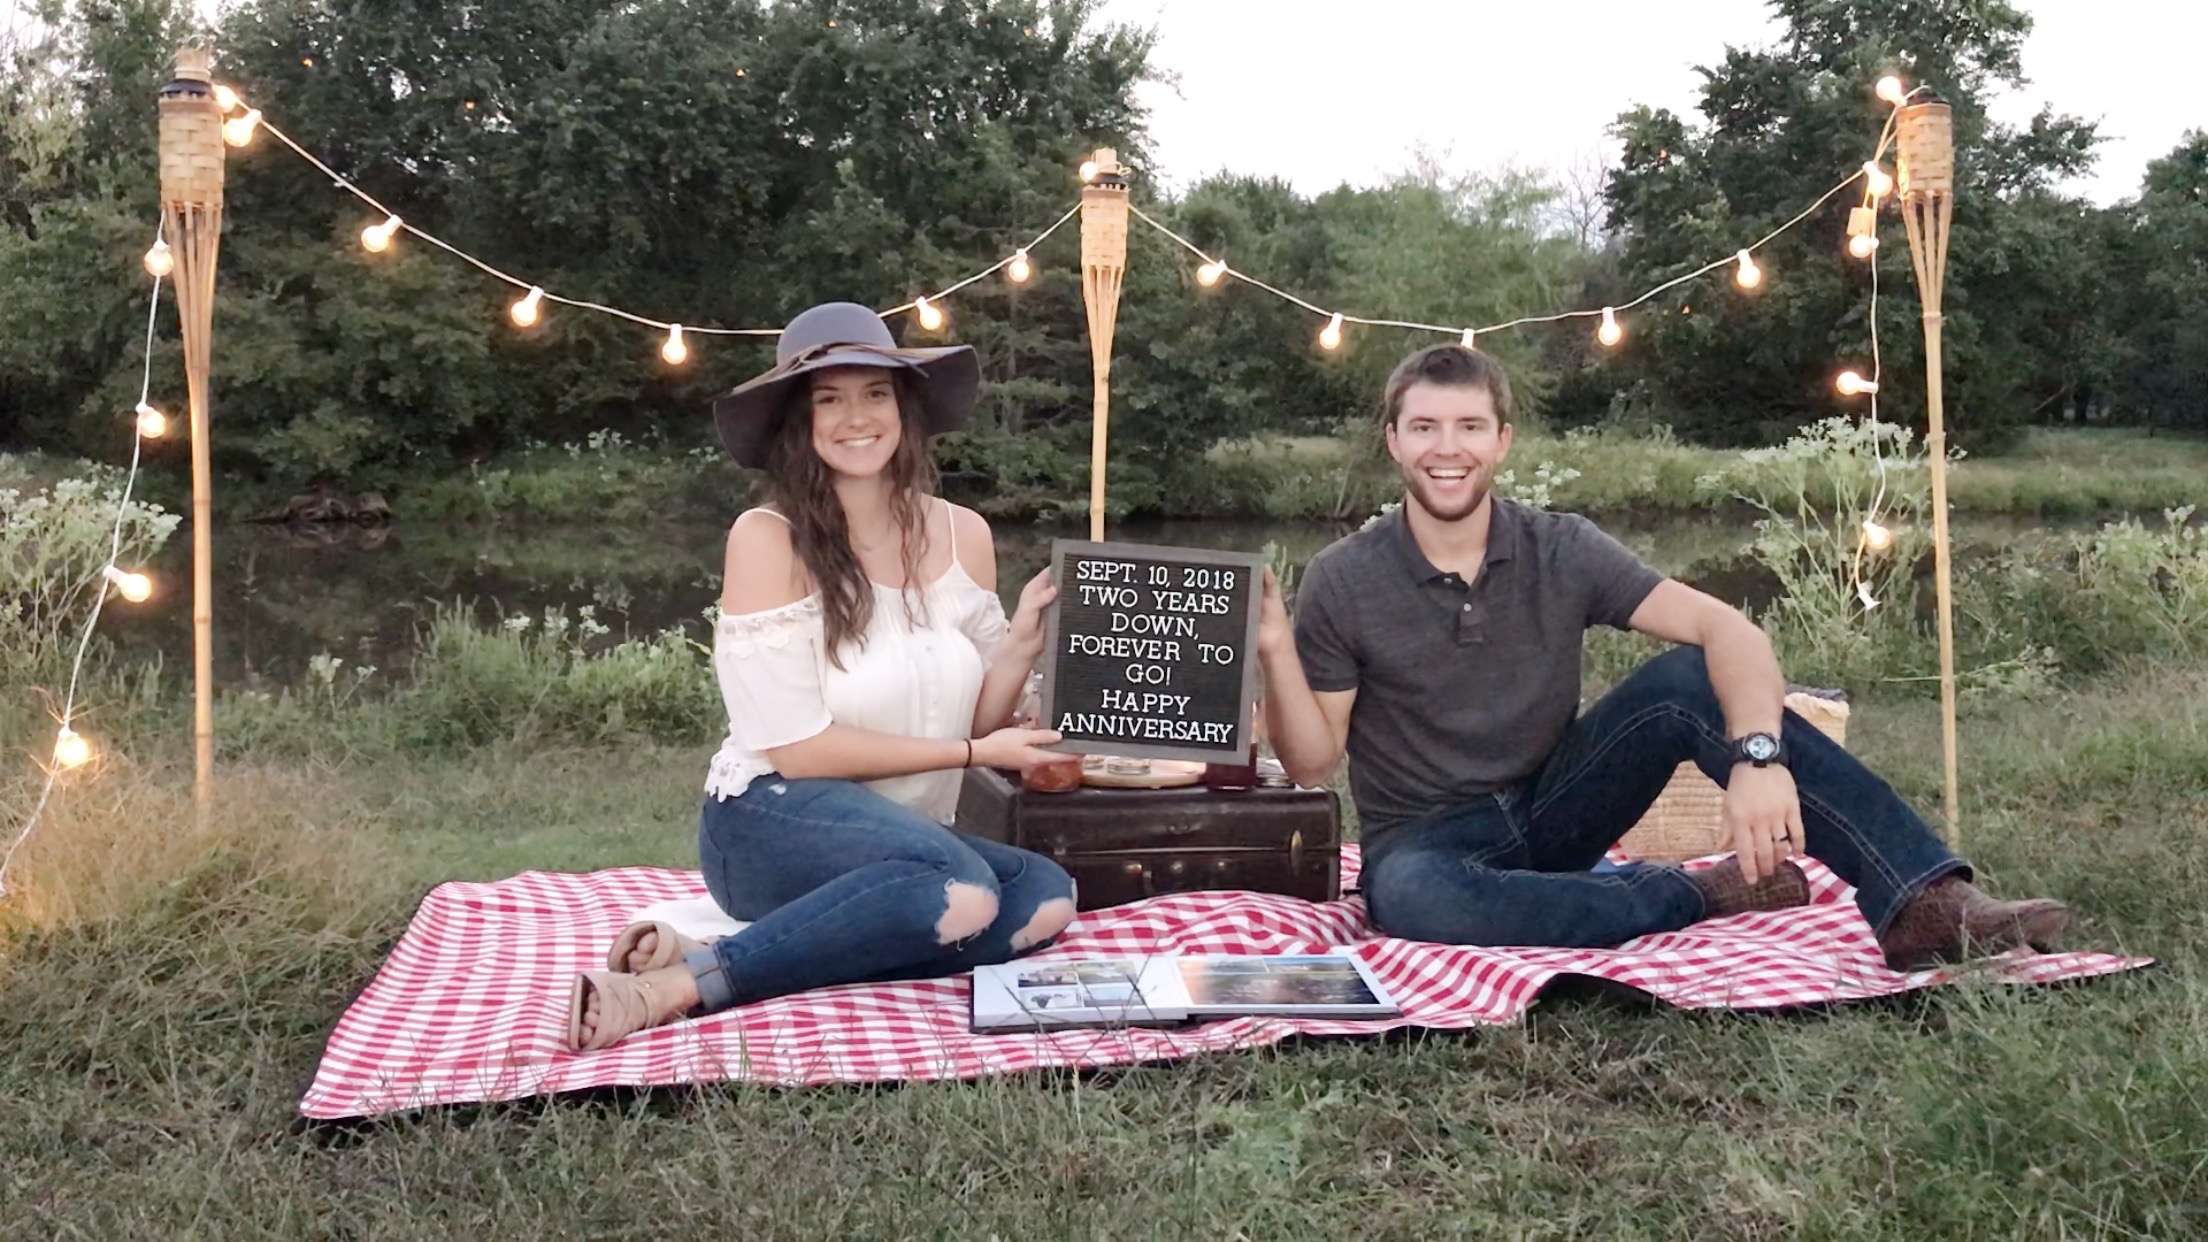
(1468, 607)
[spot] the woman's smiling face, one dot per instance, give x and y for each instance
(857, 424)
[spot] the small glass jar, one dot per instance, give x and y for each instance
(1058, 776)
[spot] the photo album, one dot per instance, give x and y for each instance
(1166, 989)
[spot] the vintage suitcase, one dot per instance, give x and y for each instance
(1123, 845)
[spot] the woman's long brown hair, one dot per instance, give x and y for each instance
(802, 487)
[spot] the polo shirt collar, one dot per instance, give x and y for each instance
(1502, 539)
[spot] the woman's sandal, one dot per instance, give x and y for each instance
(626, 1005)
(671, 947)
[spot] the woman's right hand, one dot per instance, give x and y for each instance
(1016, 750)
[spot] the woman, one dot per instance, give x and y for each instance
(865, 662)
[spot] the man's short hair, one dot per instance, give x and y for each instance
(1451, 366)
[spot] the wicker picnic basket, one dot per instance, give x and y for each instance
(1687, 820)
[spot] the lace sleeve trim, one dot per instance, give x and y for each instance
(742, 633)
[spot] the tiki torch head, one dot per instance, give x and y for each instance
(1104, 211)
(1924, 136)
(191, 133)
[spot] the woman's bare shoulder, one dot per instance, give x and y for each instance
(977, 548)
(761, 570)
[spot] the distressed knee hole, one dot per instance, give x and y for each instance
(1049, 919)
(968, 910)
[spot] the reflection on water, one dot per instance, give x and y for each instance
(282, 596)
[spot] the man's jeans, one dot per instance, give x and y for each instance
(1512, 868)
(843, 885)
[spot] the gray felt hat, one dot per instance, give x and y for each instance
(844, 334)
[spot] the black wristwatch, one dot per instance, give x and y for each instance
(1761, 749)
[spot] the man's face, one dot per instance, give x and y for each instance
(1448, 442)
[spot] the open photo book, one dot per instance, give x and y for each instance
(1164, 989)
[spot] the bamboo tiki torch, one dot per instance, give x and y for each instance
(1925, 139)
(191, 213)
(1103, 266)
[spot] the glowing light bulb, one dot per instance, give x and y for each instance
(524, 310)
(1863, 246)
(160, 260)
(377, 237)
(1330, 336)
(1467, 339)
(152, 423)
(1609, 333)
(1877, 536)
(1889, 88)
(1877, 180)
(225, 98)
(137, 588)
(1748, 275)
(1208, 274)
(931, 315)
(1849, 383)
(1019, 269)
(71, 750)
(673, 350)
(1088, 170)
(238, 130)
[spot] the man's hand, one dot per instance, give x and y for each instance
(1275, 633)
(1763, 817)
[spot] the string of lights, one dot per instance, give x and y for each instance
(527, 310)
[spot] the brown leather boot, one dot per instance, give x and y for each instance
(1953, 918)
(1727, 892)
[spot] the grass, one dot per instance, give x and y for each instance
(166, 992)
(2067, 473)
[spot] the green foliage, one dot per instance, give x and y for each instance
(605, 477)
(1845, 610)
(55, 540)
(1779, 127)
(2156, 281)
(531, 680)
(2124, 592)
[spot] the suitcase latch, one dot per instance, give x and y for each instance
(1295, 850)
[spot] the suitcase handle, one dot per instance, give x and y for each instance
(1177, 868)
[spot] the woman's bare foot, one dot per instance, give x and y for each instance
(607, 1008)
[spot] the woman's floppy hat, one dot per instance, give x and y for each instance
(844, 334)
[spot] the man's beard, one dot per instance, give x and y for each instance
(1415, 481)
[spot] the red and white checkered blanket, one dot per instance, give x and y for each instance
(472, 1004)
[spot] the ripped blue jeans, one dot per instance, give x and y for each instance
(1513, 867)
(842, 885)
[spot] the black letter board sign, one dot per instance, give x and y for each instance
(1151, 651)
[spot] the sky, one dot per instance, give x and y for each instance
(1323, 92)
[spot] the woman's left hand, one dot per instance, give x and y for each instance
(1025, 641)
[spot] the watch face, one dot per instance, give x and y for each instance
(1760, 746)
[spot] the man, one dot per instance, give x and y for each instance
(1439, 648)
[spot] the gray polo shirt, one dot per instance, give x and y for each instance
(1462, 688)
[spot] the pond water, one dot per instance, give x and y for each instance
(283, 596)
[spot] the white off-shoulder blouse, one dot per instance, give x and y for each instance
(918, 674)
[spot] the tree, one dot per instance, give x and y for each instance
(2157, 283)
(1782, 125)
(723, 161)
